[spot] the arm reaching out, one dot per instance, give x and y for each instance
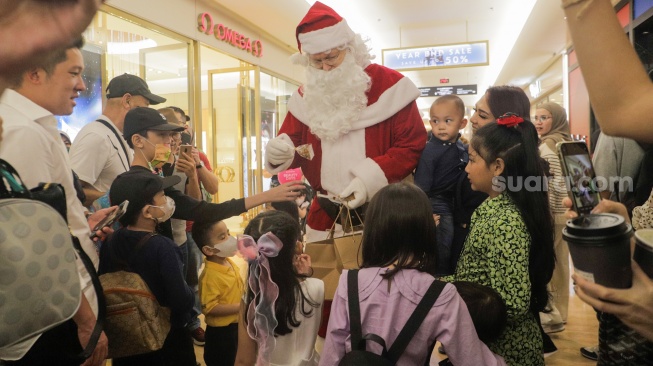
(619, 89)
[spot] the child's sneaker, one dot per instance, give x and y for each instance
(591, 353)
(198, 336)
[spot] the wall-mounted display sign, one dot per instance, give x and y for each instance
(221, 32)
(437, 91)
(429, 57)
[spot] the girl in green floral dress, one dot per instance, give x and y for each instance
(510, 243)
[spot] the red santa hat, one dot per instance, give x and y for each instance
(322, 29)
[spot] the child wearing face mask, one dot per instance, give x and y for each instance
(156, 258)
(220, 290)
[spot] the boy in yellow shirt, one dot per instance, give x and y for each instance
(220, 289)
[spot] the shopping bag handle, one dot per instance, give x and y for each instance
(343, 208)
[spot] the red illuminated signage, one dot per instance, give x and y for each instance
(444, 81)
(221, 32)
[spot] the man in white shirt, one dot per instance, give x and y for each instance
(100, 153)
(32, 145)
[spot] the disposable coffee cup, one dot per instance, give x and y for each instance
(644, 250)
(600, 248)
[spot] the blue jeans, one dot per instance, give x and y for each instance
(186, 254)
(192, 268)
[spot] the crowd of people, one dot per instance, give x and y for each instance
(498, 251)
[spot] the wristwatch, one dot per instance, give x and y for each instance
(200, 165)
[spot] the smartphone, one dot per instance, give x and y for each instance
(187, 149)
(579, 176)
(111, 218)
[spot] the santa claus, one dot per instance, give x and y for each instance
(360, 119)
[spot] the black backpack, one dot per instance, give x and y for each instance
(359, 356)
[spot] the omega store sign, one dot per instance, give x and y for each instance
(436, 57)
(208, 26)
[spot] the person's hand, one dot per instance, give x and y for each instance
(356, 188)
(186, 165)
(196, 155)
(101, 351)
(278, 152)
(64, 21)
(302, 263)
(284, 192)
(605, 206)
(436, 218)
(95, 219)
(633, 306)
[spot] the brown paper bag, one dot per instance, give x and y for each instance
(325, 265)
(330, 256)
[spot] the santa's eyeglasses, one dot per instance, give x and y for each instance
(329, 60)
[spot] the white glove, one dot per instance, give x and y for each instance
(357, 187)
(278, 152)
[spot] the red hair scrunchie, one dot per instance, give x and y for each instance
(509, 120)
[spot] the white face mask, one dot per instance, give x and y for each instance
(227, 248)
(168, 209)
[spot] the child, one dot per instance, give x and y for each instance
(487, 309)
(399, 261)
(220, 289)
(280, 315)
(510, 243)
(441, 164)
(158, 262)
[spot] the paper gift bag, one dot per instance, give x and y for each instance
(330, 256)
(325, 265)
(348, 250)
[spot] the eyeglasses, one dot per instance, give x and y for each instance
(541, 118)
(329, 61)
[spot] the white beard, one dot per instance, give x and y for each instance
(335, 98)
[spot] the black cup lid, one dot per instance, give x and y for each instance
(597, 229)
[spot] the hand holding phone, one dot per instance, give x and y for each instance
(579, 176)
(185, 149)
(111, 218)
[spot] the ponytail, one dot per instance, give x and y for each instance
(515, 140)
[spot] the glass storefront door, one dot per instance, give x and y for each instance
(235, 125)
(242, 108)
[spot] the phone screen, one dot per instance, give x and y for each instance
(111, 218)
(581, 180)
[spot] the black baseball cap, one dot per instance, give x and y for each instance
(144, 119)
(139, 187)
(132, 84)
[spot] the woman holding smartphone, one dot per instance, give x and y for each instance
(623, 104)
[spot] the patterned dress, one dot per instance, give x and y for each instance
(496, 255)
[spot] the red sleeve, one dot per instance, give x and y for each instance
(205, 160)
(409, 135)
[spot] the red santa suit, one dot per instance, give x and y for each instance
(382, 147)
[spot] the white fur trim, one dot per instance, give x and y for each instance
(284, 137)
(327, 38)
(372, 176)
(339, 158)
(389, 103)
